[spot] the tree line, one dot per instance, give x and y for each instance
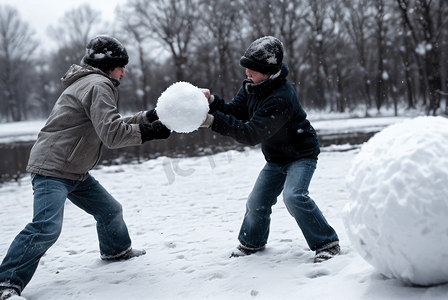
(343, 55)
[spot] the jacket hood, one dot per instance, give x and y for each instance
(75, 72)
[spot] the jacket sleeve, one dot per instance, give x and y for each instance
(111, 128)
(237, 107)
(265, 122)
(138, 118)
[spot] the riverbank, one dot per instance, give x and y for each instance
(16, 140)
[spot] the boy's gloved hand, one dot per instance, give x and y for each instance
(160, 130)
(210, 97)
(155, 131)
(151, 115)
(208, 121)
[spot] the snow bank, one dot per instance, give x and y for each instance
(397, 215)
(28, 130)
(182, 107)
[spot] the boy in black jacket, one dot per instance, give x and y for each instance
(267, 110)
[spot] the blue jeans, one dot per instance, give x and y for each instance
(23, 256)
(293, 179)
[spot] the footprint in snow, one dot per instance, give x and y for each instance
(318, 272)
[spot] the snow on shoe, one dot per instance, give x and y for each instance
(9, 293)
(244, 251)
(182, 107)
(327, 253)
(131, 253)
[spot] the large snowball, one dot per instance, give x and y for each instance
(397, 214)
(182, 107)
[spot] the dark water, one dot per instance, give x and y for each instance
(14, 156)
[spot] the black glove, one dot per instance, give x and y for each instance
(154, 131)
(151, 115)
(160, 130)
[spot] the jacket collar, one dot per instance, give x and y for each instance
(115, 82)
(269, 85)
(75, 72)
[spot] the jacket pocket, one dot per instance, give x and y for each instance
(75, 149)
(306, 144)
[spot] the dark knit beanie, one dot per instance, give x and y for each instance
(105, 53)
(264, 55)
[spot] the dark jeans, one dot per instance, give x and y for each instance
(22, 258)
(293, 179)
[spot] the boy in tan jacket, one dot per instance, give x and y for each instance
(84, 118)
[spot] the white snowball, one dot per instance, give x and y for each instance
(182, 107)
(397, 214)
(17, 298)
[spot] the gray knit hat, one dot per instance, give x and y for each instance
(264, 55)
(105, 53)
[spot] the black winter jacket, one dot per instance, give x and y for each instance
(268, 113)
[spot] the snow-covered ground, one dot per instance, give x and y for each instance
(189, 228)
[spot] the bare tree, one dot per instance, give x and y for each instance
(291, 28)
(16, 47)
(342, 65)
(140, 71)
(42, 93)
(221, 20)
(321, 29)
(404, 52)
(173, 22)
(382, 76)
(425, 20)
(286, 21)
(72, 33)
(435, 22)
(261, 18)
(76, 27)
(358, 26)
(442, 40)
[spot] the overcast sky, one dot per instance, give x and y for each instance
(41, 13)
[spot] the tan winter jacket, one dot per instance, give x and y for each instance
(83, 119)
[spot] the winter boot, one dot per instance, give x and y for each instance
(242, 250)
(131, 253)
(6, 293)
(328, 252)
